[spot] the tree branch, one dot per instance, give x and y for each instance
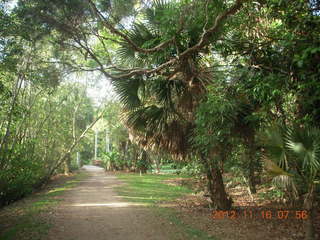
(207, 33)
(202, 43)
(113, 30)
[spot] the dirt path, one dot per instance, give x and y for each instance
(92, 210)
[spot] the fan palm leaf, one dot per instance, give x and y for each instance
(294, 149)
(276, 146)
(305, 146)
(128, 92)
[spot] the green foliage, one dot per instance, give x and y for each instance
(273, 194)
(143, 163)
(41, 128)
(112, 161)
(294, 150)
(215, 120)
(24, 220)
(193, 168)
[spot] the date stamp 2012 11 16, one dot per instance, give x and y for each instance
(262, 214)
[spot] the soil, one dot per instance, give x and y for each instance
(92, 210)
(247, 220)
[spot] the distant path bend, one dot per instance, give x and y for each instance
(93, 211)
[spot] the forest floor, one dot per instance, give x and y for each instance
(253, 216)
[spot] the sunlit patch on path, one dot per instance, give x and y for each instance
(113, 204)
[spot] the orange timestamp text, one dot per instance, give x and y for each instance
(262, 214)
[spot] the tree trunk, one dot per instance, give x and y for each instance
(157, 162)
(251, 175)
(308, 222)
(67, 165)
(143, 164)
(250, 155)
(217, 190)
(63, 156)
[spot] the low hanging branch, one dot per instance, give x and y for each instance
(127, 73)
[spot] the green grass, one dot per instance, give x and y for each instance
(150, 190)
(166, 169)
(24, 219)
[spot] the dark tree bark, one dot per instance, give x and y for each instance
(251, 174)
(143, 158)
(217, 190)
(216, 187)
(250, 154)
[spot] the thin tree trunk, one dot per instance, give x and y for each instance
(70, 149)
(5, 139)
(157, 161)
(144, 159)
(251, 177)
(250, 155)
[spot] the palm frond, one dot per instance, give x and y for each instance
(294, 148)
(305, 145)
(128, 91)
(165, 91)
(158, 11)
(276, 147)
(144, 37)
(147, 118)
(141, 36)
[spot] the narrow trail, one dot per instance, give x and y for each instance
(93, 211)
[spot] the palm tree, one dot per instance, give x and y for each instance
(294, 152)
(159, 109)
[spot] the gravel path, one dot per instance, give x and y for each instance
(93, 211)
